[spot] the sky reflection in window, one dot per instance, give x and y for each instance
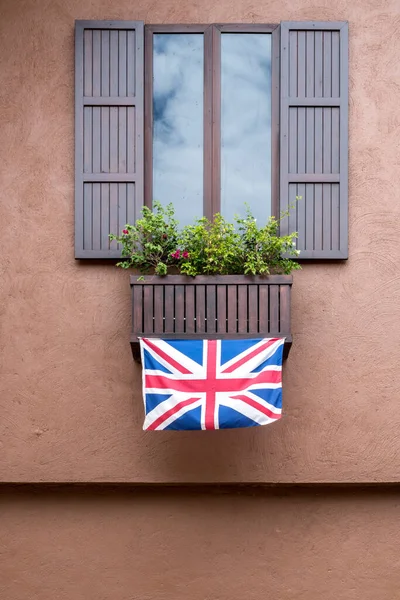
(178, 66)
(246, 124)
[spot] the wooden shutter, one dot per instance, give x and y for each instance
(314, 136)
(108, 132)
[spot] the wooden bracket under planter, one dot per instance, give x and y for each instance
(209, 307)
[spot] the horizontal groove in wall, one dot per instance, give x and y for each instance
(272, 489)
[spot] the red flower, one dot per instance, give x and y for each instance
(185, 254)
(176, 254)
(125, 231)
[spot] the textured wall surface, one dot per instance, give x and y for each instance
(178, 546)
(70, 401)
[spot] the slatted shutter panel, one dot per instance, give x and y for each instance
(314, 136)
(108, 132)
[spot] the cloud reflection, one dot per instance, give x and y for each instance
(178, 123)
(245, 123)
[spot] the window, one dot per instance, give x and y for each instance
(209, 112)
(176, 121)
(210, 117)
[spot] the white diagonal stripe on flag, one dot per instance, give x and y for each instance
(248, 362)
(153, 344)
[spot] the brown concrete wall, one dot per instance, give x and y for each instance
(180, 546)
(69, 393)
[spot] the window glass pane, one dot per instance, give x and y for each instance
(246, 124)
(178, 122)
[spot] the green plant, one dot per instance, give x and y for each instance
(149, 244)
(206, 247)
(263, 247)
(212, 247)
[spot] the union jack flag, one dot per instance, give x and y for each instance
(211, 384)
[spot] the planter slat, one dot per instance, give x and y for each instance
(274, 307)
(137, 308)
(169, 313)
(253, 308)
(190, 322)
(263, 308)
(201, 322)
(232, 309)
(179, 309)
(223, 306)
(148, 308)
(221, 309)
(158, 307)
(211, 308)
(242, 309)
(284, 321)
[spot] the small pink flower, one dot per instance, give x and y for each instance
(125, 231)
(185, 254)
(176, 254)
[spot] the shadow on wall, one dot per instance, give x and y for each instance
(219, 456)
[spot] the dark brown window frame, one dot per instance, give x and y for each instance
(212, 108)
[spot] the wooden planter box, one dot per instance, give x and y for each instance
(219, 306)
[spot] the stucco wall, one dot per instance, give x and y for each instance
(70, 400)
(180, 546)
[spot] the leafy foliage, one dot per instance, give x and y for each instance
(207, 247)
(263, 247)
(213, 248)
(149, 244)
